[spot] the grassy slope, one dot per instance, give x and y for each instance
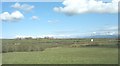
(64, 56)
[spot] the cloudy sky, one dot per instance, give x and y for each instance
(69, 18)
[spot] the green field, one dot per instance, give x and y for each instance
(60, 51)
(64, 56)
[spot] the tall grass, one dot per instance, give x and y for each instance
(27, 45)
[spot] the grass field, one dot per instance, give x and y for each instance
(60, 51)
(26, 45)
(64, 56)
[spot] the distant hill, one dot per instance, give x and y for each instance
(102, 36)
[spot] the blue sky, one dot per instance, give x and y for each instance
(40, 19)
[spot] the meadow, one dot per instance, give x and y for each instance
(60, 51)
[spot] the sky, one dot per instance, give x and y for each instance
(59, 19)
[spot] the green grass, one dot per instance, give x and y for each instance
(0, 58)
(27, 45)
(60, 51)
(62, 55)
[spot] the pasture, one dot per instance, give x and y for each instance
(60, 51)
(64, 56)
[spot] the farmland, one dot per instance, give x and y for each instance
(60, 51)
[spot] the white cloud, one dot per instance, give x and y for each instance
(42, 36)
(24, 7)
(109, 30)
(53, 21)
(35, 17)
(14, 16)
(72, 7)
(16, 5)
(56, 35)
